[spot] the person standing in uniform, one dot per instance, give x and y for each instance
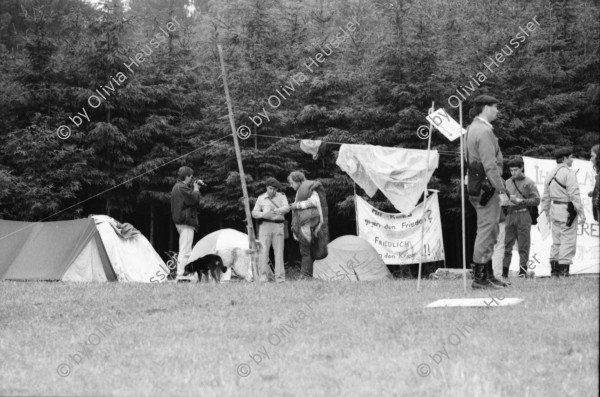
(486, 188)
(562, 203)
(271, 229)
(523, 194)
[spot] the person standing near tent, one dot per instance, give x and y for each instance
(562, 203)
(485, 187)
(523, 194)
(185, 198)
(271, 230)
(309, 220)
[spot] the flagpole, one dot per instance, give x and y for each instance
(425, 199)
(462, 198)
(251, 238)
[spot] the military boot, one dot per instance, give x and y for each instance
(490, 273)
(480, 277)
(523, 271)
(553, 268)
(563, 270)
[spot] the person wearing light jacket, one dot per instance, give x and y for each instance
(560, 202)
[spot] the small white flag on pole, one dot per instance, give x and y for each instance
(445, 124)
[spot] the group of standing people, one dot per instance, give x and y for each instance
(309, 221)
(309, 224)
(513, 200)
(493, 199)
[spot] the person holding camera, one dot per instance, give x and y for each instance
(485, 187)
(185, 198)
(271, 230)
(523, 195)
(562, 203)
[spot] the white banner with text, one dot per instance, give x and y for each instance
(397, 237)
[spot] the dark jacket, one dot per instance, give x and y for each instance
(184, 204)
(310, 215)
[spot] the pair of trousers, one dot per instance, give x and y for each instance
(271, 234)
(488, 217)
(518, 227)
(186, 238)
(498, 253)
(305, 240)
(564, 238)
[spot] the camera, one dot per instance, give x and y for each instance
(196, 180)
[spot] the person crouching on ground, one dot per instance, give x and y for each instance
(309, 220)
(271, 229)
(523, 194)
(185, 198)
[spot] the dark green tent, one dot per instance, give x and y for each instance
(60, 251)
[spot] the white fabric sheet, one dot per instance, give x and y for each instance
(399, 173)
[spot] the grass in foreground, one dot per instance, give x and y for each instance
(299, 338)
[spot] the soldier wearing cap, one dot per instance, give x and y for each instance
(523, 194)
(561, 195)
(271, 229)
(484, 160)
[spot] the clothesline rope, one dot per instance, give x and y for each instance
(120, 184)
(442, 152)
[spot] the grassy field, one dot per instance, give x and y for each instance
(298, 339)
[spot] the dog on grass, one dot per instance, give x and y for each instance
(209, 265)
(239, 260)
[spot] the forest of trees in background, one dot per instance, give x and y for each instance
(170, 110)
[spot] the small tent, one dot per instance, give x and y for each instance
(351, 258)
(93, 249)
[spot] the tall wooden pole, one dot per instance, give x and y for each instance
(425, 198)
(251, 238)
(462, 199)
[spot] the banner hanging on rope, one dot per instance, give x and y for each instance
(396, 237)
